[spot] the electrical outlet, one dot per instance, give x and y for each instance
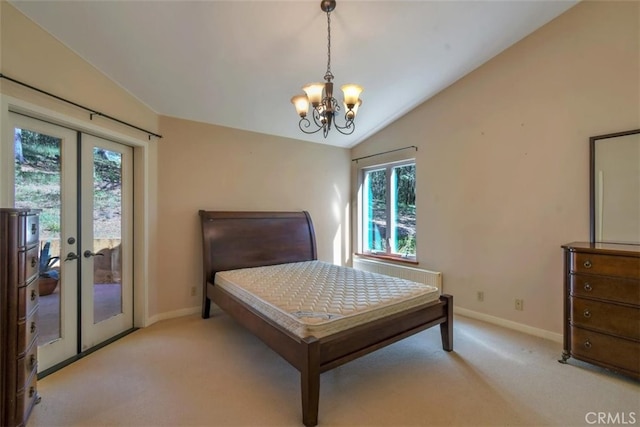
(519, 304)
(193, 291)
(480, 296)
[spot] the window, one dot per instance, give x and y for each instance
(388, 209)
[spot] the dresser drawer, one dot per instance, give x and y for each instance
(28, 264)
(609, 318)
(608, 288)
(608, 265)
(27, 332)
(26, 399)
(29, 231)
(27, 299)
(27, 366)
(610, 351)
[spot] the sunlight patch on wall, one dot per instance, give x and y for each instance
(337, 246)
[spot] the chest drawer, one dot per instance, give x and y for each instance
(609, 318)
(28, 264)
(607, 265)
(27, 332)
(27, 299)
(608, 288)
(608, 350)
(26, 398)
(27, 366)
(29, 230)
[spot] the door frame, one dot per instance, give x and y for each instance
(144, 168)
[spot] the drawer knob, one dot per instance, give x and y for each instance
(587, 287)
(587, 313)
(33, 327)
(587, 343)
(587, 264)
(34, 295)
(32, 361)
(33, 229)
(32, 391)
(34, 262)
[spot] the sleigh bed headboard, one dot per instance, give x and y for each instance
(232, 240)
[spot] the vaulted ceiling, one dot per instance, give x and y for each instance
(238, 63)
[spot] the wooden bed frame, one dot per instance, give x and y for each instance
(233, 240)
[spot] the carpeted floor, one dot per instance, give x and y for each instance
(194, 372)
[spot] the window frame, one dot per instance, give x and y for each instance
(390, 195)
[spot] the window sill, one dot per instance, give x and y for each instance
(388, 258)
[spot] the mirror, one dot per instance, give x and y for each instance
(615, 187)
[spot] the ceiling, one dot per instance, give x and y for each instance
(238, 63)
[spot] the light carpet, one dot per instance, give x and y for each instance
(194, 372)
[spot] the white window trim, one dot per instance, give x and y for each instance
(388, 166)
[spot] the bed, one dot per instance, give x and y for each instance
(279, 245)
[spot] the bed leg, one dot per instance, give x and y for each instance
(206, 307)
(446, 328)
(310, 380)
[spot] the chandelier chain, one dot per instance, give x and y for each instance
(328, 76)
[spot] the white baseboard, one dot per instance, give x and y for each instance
(172, 314)
(509, 324)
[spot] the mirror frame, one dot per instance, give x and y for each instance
(592, 177)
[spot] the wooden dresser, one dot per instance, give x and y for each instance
(19, 256)
(602, 305)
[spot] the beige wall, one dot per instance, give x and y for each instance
(503, 159)
(216, 168)
(33, 56)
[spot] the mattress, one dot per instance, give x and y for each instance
(314, 298)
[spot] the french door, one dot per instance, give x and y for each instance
(83, 185)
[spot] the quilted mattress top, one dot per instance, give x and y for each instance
(314, 298)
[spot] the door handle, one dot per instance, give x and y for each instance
(89, 254)
(71, 256)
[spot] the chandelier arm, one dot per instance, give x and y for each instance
(347, 129)
(317, 118)
(335, 107)
(306, 123)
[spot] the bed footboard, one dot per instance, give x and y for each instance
(335, 350)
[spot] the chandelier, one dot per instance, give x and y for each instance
(325, 108)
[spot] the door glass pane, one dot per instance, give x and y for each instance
(37, 185)
(375, 206)
(107, 233)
